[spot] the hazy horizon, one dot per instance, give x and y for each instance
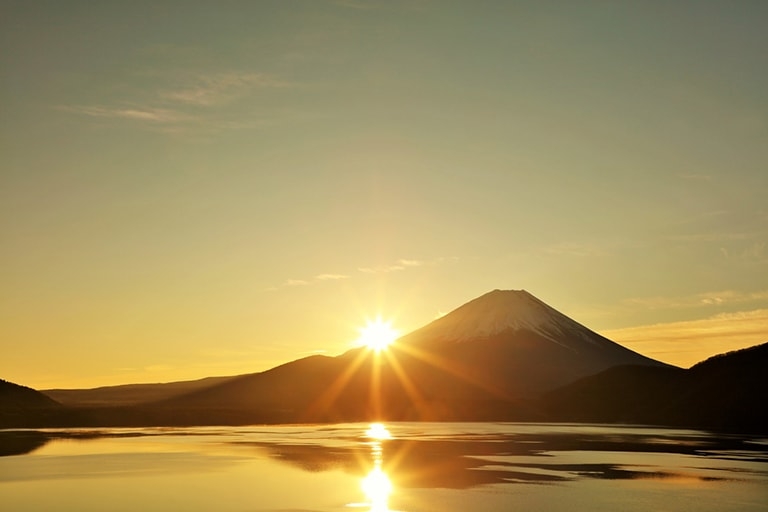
(201, 190)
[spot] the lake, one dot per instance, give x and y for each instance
(407, 467)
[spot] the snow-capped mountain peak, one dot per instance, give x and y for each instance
(502, 310)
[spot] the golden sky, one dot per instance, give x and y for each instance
(191, 189)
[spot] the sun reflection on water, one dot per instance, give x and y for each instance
(378, 431)
(376, 485)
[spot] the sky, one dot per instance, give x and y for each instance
(195, 188)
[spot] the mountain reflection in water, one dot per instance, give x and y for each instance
(470, 460)
(411, 467)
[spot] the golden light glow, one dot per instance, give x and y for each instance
(377, 488)
(376, 485)
(378, 431)
(377, 335)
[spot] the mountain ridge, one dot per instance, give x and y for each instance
(495, 312)
(511, 348)
(128, 394)
(726, 391)
(499, 311)
(491, 359)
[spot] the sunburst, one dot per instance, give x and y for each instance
(377, 335)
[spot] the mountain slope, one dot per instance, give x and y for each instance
(129, 394)
(728, 391)
(487, 359)
(498, 357)
(515, 343)
(20, 405)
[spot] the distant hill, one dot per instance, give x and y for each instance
(20, 405)
(728, 391)
(16, 397)
(129, 394)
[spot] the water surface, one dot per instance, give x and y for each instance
(407, 467)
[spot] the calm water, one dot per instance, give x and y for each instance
(395, 467)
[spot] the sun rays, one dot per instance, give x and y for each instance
(377, 335)
(380, 380)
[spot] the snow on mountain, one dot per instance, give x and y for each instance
(502, 310)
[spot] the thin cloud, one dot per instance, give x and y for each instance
(215, 89)
(148, 114)
(307, 282)
(711, 237)
(331, 277)
(756, 252)
(187, 109)
(381, 269)
(401, 264)
(752, 254)
(296, 282)
(697, 300)
(575, 249)
(158, 368)
(688, 342)
(702, 217)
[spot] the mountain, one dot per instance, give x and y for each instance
(504, 356)
(129, 394)
(488, 359)
(20, 405)
(728, 391)
(514, 343)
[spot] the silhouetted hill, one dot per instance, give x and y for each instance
(20, 405)
(129, 394)
(728, 391)
(626, 394)
(16, 397)
(359, 385)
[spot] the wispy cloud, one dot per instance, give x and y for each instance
(705, 217)
(401, 264)
(711, 237)
(190, 106)
(210, 90)
(295, 282)
(331, 277)
(576, 250)
(291, 283)
(686, 343)
(755, 253)
(380, 269)
(158, 368)
(697, 300)
(144, 114)
(392, 267)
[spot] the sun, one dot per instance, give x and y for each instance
(377, 335)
